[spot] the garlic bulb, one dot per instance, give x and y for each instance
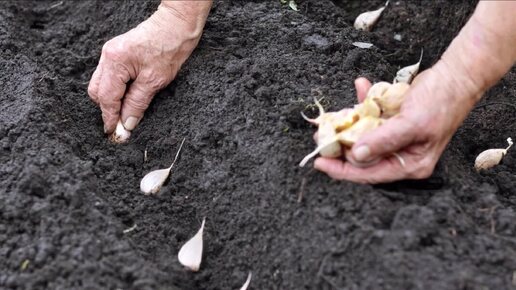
(406, 74)
(367, 20)
(121, 135)
(247, 282)
(391, 100)
(491, 157)
(152, 182)
(190, 254)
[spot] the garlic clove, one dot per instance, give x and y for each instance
(325, 134)
(407, 74)
(378, 89)
(190, 254)
(491, 157)
(345, 119)
(367, 20)
(350, 136)
(154, 180)
(247, 282)
(368, 108)
(121, 135)
(391, 100)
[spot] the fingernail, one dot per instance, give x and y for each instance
(362, 153)
(105, 129)
(130, 123)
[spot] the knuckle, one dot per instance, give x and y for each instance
(155, 80)
(141, 103)
(112, 50)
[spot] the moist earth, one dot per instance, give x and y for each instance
(68, 196)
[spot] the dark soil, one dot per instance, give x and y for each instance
(67, 194)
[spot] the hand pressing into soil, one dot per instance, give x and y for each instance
(437, 102)
(150, 56)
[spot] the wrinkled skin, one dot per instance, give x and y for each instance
(150, 55)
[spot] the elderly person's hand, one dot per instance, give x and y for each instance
(150, 56)
(437, 102)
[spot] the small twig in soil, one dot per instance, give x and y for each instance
(56, 5)
(145, 155)
(495, 103)
(126, 231)
(301, 190)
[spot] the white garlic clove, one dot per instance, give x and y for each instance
(190, 254)
(247, 282)
(121, 135)
(367, 20)
(325, 134)
(392, 99)
(491, 157)
(407, 74)
(377, 90)
(154, 180)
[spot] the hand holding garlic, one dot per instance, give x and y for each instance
(437, 102)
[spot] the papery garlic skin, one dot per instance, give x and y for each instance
(190, 254)
(121, 135)
(367, 20)
(152, 182)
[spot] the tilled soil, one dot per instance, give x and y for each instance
(67, 194)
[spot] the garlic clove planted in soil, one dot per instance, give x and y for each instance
(152, 182)
(367, 20)
(407, 74)
(121, 135)
(491, 157)
(190, 254)
(247, 282)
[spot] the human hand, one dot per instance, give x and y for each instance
(150, 55)
(429, 116)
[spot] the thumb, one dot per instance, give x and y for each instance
(395, 134)
(136, 101)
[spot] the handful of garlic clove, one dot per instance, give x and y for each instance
(337, 132)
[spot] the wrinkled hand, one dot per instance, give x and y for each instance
(429, 116)
(150, 55)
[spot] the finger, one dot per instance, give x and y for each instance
(387, 170)
(112, 87)
(93, 87)
(362, 85)
(137, 100)
(395, 134)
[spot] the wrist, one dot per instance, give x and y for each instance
(186, 18)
